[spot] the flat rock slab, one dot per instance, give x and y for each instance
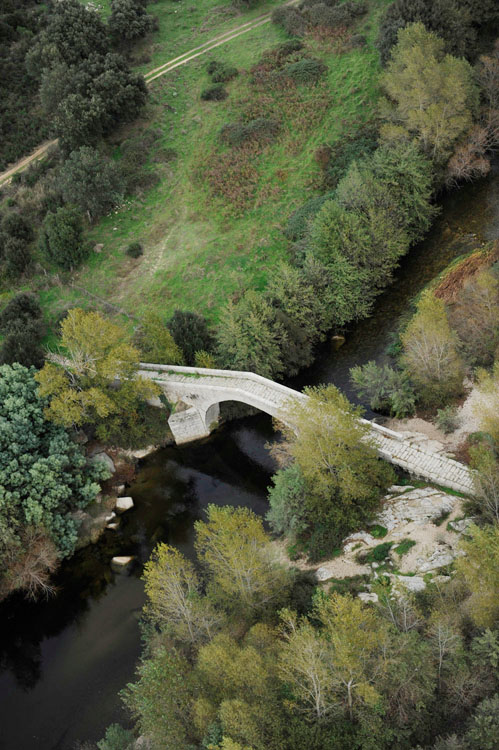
(123, 504)
(120, 563)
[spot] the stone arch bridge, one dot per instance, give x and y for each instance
(197, 394)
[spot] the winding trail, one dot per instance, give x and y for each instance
(186, 57)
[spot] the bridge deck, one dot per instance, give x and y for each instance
(202, 387)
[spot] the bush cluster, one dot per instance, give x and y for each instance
(317, 14)
(261, 130)
(221, 72)
(134, 250)
(216, 93)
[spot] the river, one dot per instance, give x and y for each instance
(63, 662)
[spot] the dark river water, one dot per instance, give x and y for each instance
(63, 662)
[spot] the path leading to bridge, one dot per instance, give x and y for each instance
(198, 392)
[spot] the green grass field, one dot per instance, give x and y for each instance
(200, 249)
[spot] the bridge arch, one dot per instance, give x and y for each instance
(196, 394)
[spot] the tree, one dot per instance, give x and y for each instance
(339, 463)
(301, 313)
(241, 688)
(485, 482)
(91, 181)
(430, 353)
(446, 18)
(16, 226)
(240, 563)
(117, 738)
(484, 731)
(21, 323)
(190, 333)
(82, 384)
(474, 317)
(160, 700)
(17, 256)
(250, 336)
(479, 568)
(384, 388)
(487, 405)
(73, 32)
(176, 602)
(44, 475)
(129, 21)
(339, 665)
(61, 238)
(287, 503)
(432, 95)
(156, 343)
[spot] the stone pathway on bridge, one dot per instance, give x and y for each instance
(200, 391)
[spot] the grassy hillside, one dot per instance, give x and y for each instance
(200, 248)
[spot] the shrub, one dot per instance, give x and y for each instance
(378, 553)
(221, 72)
(215, 93)
(385, 389)
(404, 546)
(307, 70)
(22, 324)
(291, 20)
(261, 129)
(447, 419)
(378, 531)
(134, 250)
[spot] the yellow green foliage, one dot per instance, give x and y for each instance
(480, 570)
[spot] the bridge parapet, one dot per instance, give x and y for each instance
(199, 391)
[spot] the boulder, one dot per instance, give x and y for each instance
(121, 563)
(120, 489)
(366, 597)
(113, 526)
(411, 583)
(143, 452)
(105, 459)
(123, 504)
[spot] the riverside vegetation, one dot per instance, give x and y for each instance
(241, 652)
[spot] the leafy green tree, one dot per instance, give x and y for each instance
(190, 333)
(81, 383)
(241, 566)
(338, 666)
(17, 257)
(339, 463)
(446, 18)
(484, 731)
(156, 343)
(485, 482)
(487, 406)
(91, 181)
(480, 570)
(384, 388)
(44, 475)
(176, 601)
(15, 225)
(129, 21)
(301, 313)
(72, 33)
(474, 317)
(430, 353)
(241, 687)
(287, 503)
(160, 700)
(117, 738)
(61, 238)
(21, 322)
(250, 336)
(432, 96)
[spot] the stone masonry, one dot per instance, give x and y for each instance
(197, 393)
